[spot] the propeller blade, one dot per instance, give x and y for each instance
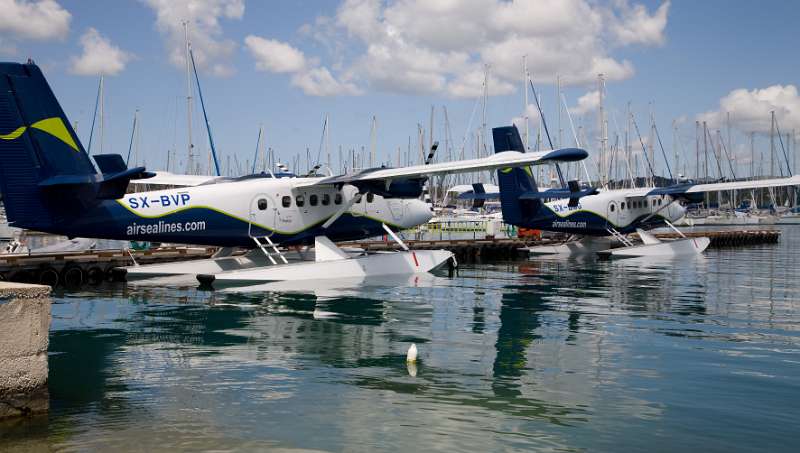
(432, 152)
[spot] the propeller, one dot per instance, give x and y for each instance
(432, 153)
(313, 171)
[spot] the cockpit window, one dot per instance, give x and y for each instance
(262, 204)
(300, 201)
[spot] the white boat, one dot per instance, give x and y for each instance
(726, 218)
(789, 218)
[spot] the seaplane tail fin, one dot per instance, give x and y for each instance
(514, 181)
(479, 192)
(40, 154)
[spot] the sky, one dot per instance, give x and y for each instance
(286, 65)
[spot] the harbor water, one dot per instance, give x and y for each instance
(542, 355)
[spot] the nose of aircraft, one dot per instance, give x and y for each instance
(677, 211)
(417, 213)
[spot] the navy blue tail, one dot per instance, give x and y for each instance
(516, 181)
(46, 176)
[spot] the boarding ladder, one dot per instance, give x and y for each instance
(265, 244)
(620, 237)
(265, 247)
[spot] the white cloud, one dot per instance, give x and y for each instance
(40, 20)
(279, 57)
(532, 112)
(212, 51)
(274, 56)
(320, 82)
(637, 26)
(750, 109)
(470, 85)
(99, 56)
(586, 103)
(441, 46)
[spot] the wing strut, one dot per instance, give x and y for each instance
(395, 237)
(345, 207)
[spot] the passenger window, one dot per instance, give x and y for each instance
(312, 200)
(300, 200)
(611, 208)
(622, 206)
(326, 199)
(370, 197)
(286, 201)
(262, 204)
(337, 199)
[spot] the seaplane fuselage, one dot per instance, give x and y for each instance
(593, 215)
(231, 213)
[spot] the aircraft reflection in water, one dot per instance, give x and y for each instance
(532, 345)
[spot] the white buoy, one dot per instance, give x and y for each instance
(411, 355)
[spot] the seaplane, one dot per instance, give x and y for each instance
(597, 218)
(50, 184)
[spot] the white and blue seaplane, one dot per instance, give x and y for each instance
(598, 218)
(50, 184)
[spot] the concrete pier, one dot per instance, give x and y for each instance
(24, 329)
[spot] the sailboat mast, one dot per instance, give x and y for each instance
(327, 144)
(373, 131)
(102, 114)
(525, 100)
(190, 145)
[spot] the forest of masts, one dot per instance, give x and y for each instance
(623, 153)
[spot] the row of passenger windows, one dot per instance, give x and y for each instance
(639, 204)
(313, 200)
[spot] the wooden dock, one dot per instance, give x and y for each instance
(477, 250)
(731, 238)
(73, 269)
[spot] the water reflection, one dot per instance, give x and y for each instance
(546, 354)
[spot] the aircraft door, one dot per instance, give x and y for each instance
(263, 211)
(612, 214)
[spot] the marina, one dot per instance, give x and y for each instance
(495, 225)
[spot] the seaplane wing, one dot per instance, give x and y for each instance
(681, 189)
(163, 178)
(504, 159)
(639, 193)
